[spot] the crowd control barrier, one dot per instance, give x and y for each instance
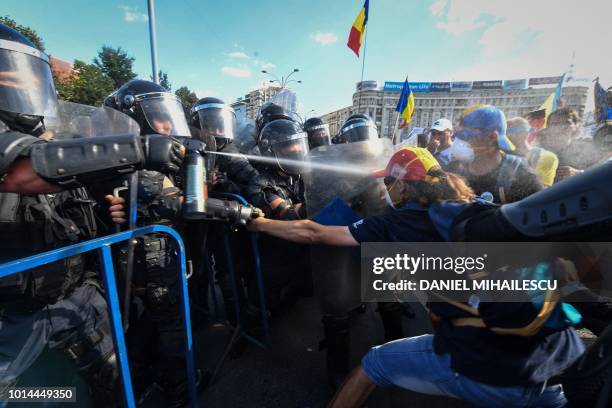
(103, 245)
(238, 330)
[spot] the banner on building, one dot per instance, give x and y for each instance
(461, 86)
(440, 86)
(414, 86)
(544, 80)
(515, 84)
(487, 84)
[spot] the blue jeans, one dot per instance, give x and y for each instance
(412, 364)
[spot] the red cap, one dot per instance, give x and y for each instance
(409, 163)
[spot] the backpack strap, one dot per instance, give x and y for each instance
(548, 306)
(505, 176)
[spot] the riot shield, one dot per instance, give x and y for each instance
(288, 100)
(245, 138)
(343, 171)
(76, 120)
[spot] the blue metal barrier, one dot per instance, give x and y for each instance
(103, 244)
(258, 275)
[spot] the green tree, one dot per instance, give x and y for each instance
(28, 32)
(187, 97)
(116, 64)
(163, 80)
(88, 85)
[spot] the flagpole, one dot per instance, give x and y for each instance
(397, 120)
(365, 46)
(395, 127)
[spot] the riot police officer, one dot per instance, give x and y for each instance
(217, 120)
(233, 173)
(270, 111)
(42, 206)
(318, 133)
(156, 279)
(357, 128)
(284, 145)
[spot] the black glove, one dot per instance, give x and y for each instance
(162, 153)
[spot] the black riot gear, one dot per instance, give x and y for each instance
(284, 141)
(27, 90)
(74, 162)
(154, 108)
(269, 112)
(215, 119)
(318, 132)
(357, 128)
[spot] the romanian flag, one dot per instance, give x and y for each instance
(358, 29)
(405, 105)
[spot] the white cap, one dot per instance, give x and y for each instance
(442, 125)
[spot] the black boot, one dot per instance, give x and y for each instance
(391, 316)
(336, 340)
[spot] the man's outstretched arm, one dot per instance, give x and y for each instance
(304, 232)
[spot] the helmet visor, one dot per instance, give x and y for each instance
(26, 83)
(319, 136)
(359, 132)
(291, 154)
(76, 120)
(165, 115)
(217, 120)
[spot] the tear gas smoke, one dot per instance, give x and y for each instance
(306, 165)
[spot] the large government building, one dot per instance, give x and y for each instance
(434, 100)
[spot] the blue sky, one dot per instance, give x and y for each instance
(219, 47)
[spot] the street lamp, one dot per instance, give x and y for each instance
(284, 80)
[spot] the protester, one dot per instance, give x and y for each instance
(441, 141)
(542, 161)
(482, 154)
(285, 145)
(456, 360)
(561, 137)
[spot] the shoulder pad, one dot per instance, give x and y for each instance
(577, 202)
(13, 145)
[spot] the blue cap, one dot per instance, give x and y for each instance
(478, 120)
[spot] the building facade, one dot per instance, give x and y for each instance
(240, 108)
(435, 100)
(336, 118)
(254, 99)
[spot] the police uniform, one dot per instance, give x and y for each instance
(60, 304)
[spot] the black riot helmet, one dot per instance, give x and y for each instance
(27, 90)
(155, 109)
(318, 133)
(269, 112)
(357, 128)
(284, 140)
(215, 119)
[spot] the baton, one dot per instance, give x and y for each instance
(132, 215)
